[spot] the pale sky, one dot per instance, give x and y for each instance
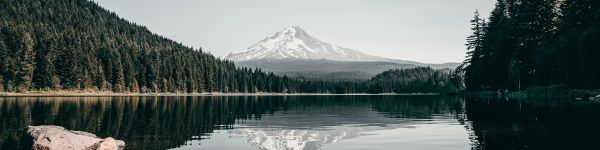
(431, 31)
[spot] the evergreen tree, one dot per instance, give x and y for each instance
(44, 68)
(537, 43)
(78, 45)
(577, 43)
(532, 26)
(473, 63)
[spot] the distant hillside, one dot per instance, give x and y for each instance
(414, 80)
(322, 65)
(328, 76)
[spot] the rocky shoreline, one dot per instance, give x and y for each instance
(49, 137)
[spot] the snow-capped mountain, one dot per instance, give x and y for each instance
(295, 53)
(294, 43)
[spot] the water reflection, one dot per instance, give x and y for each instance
(310, 122)
(170, 122)
(533, 124)
(316, 121)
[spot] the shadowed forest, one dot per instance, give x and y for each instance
(533, 43)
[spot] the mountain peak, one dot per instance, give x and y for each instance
(294, 43)
(292, 30)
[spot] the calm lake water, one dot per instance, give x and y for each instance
(311, 122)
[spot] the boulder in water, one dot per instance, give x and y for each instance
(48, 137)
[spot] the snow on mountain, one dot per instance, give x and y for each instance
(294, 43)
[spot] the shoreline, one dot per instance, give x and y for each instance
(543, 92)
(112, 94)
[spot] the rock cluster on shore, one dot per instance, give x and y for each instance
(49, 137)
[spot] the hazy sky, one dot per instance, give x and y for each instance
(432, 31)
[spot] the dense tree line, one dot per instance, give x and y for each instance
(76, 45)
(415, 80)
(527, 43)
(412, 80)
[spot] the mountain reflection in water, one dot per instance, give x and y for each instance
(309, 122)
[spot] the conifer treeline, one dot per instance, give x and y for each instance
(529, 43)
(78, 45)
(415, 80)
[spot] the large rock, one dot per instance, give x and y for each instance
(58, 138)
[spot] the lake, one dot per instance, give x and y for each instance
(311, 122)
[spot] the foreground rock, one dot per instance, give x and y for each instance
(597, 97)
(58, 138)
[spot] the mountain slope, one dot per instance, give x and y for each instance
(295, 53)
(294, 43)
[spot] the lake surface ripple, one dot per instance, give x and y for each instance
(311, 122)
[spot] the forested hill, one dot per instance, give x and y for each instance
(414, 80)
(78, 45)
(527, 43)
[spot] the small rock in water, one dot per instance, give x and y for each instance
(107, 144)
(50, 137)
(597, 97)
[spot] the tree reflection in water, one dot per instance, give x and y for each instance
(543, 124)
(170, 122)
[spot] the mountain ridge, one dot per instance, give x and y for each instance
(294, 43)
(295, 53)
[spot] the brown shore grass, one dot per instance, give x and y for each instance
(111, 94)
